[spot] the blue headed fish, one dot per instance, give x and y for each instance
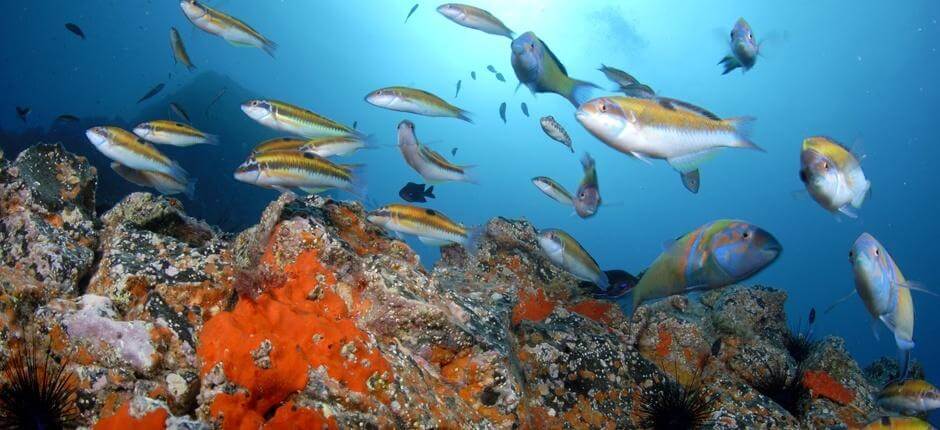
(744, 49)
(538, 68)
(714, 255)
(833, 176)
(885, 292)
(588, 196)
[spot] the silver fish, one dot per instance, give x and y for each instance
(555, 131)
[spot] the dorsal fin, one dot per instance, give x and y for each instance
(554, 58)
(673, 104)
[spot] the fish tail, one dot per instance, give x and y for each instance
(190, 67)
(904, 359)
(211, 139)
(587, 162)
(430, 192)
(579, 92)
(742, 129)
(464, 115)
(357, 184)
(603, 282)
(474, 235)
(269, 47)
(178, 172)
(190, 190)
(730, 64)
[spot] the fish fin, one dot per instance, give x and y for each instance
(269, 47)
(904, 359)
(357, 185)
(730, 64)
(874, 329)
(190, 67)
(691, 180)
(313, 190)
(580, 92)
(464, 115)
(554, 57)
(742, 127)
(903, 344)
(211, 139)
(398, 235)
(474, 236)
(603, 282)
(848, 211)
(280, 188)
(837, 302)
(433, 241)
(638, 90)
(430, 192)
(690, 162)
(917, 286)
(860, 198)
(673, 104)
(177, 172)
(190, 190)
(638, 156)
(587, 162)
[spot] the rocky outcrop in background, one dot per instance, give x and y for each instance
(316, 318)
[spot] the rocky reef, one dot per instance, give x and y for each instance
(315, 318)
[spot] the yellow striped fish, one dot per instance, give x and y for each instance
(124, 147)
(322, 146)
(568, 254)
(179, 50)
(404, 99)
(553, 189)
(227, 27)
(295, 120)
(898, 423)
(432, 166)
(283, 170)
(162, 182)
(431, 227)
(683, 134)
(173, 133)
(909, 397)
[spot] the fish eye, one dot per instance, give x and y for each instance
(877, 253)
(603, 107)
(430, 212)
(851, 254)
(746, 235)
(825, 164)
(532, 46)
(803, 175)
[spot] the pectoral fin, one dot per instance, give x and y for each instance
(433, 241)
(917, 286)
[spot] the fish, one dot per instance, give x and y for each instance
(433, 167)
(620, 284)
(744, 49)
(554, 130)
(537, 67)
(215, 99)
(553, 189)
(566, 253)
(458, 89)
(626, 83)
(178, 110)
(173, 133)
(453, 151)
(909, 397)
(322, 146)
(716, 347)
(75, 30)
(126, 148)
(898, 423)
(432, 227)
(413, 192)
(162, 182)
(284, 170)
(153, 91)
(491, 68)
(833, 176)
(715, 255)
(227, 27)
(588, 197)
(179, 50)
(681, 133)
(295, 120)
(475, 18)
(411, 12)
(885, 292)
(473, 75)
(23, 112)
(525, 109)
(355, 125)
(404, 99)
(502, 111)
(499, 77)
(66, 118)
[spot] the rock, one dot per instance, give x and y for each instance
(48, 228)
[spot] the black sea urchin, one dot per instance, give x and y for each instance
(670, 405)
(784, 390)
(37, 392)
(799, 344)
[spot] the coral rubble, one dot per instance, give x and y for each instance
(315, 318)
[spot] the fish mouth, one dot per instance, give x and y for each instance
(95, 135)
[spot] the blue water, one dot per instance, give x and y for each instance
(863, 72)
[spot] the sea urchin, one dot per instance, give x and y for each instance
(37, 392)
(670, 405)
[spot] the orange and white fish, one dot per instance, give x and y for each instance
(283, 170)
(126, 148)
(431, 227)
(909, 397)
(173, 133)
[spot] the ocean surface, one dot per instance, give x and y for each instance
(864, 73)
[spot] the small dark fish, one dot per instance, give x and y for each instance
(178, 110)
(491, 68)
(416, 193)
(355, 124)
(691, 180)
(23, 112)
(217, 97)
(153, 91)
(473, 75)
(75, 29)
(502, 111)
(716, 347)
(411, 12)
(499, 77)
(66, 118)
(525, 109)
(458, 89)
(453, 151)
(620, 283)
(812, 315)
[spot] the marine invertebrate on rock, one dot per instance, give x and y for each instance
(124, 419)
(532, 307)
(38, 392)
(821, 384)
(800, 344)
(667, 404)
(786, 391)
